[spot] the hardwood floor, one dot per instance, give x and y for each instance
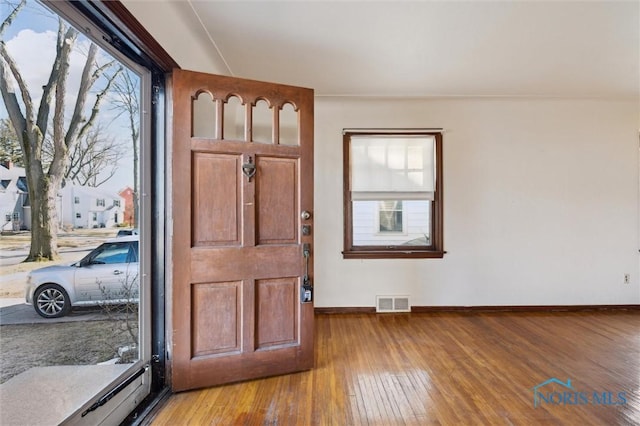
(443, 369)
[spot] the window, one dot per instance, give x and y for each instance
(78, 216)
(390, 216)
(100, 202)
(21, 183)
(16, 216)
(112, 253)
(393, 194)
(76, 200)
(95, 216)
(7, 217)
(116, 203)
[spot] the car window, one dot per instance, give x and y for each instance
(111, 253)
(133, 252)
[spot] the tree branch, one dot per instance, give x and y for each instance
(96, 106)
(9, 19)
(58, 163)
(11, 102)
(64, 40)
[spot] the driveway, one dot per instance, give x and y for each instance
(15, 311)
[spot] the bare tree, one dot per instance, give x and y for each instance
(93, 160)
(31, 126)
(126, 100)
(121, 307)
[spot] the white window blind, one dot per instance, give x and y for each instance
(392, 167)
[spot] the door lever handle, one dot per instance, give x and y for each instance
(306, 292)
(116, 272)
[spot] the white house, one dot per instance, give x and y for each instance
(78, 206)
(391, 222)
(14, 198)
(87, 207)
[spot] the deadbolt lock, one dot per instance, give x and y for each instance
(305, 215)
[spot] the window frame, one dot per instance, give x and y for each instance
(116, 30)
(436, 249)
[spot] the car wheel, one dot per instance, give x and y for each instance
(51, 301)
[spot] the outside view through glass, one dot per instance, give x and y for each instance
(69, 182)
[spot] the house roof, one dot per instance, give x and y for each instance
(12, 173)
(13, 179)
(92, 192)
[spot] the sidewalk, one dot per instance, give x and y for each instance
(14, 311)
(10, 301)
(13, 257)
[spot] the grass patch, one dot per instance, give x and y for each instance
(67, 244)
(28, 266)
(77, 239)
(74, 343)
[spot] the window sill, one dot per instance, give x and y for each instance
(393, 254)
(60, 392)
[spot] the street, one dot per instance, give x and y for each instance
(13, 274)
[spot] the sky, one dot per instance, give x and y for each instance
(31, 41)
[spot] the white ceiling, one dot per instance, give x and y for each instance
(427, 48)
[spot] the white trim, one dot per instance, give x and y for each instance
(386, 195)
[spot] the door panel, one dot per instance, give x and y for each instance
(277, 210)
(216, 214)
(279, 298)
(219, 304)
(238, 261)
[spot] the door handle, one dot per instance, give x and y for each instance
(306, 292)
(249, 169)
(305, 215)
(116, 272)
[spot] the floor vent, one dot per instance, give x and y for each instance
(392, 304)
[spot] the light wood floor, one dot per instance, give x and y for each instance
(442, 369)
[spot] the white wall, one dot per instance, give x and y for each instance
(541, 195)
(174, 25)
(540, 203)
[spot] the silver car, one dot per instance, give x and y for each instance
(107, 275)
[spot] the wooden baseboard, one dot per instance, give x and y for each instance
(473, 309)
(346, 310)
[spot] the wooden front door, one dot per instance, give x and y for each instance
(242, 178)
